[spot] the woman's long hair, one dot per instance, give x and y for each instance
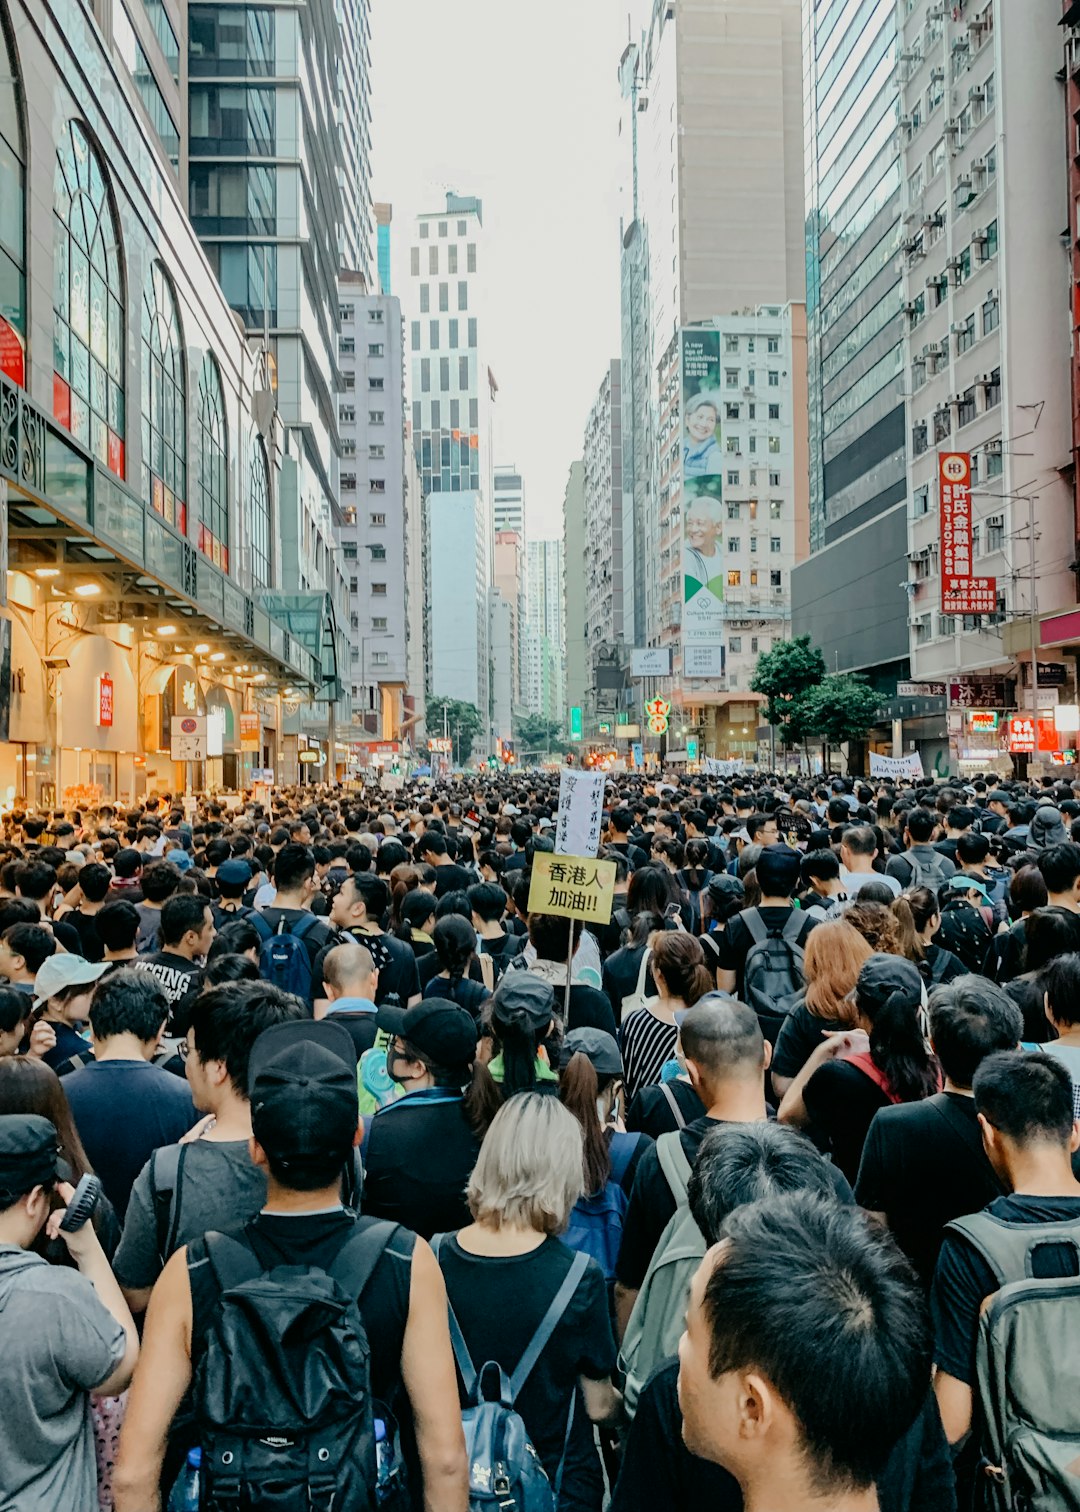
(455, 943)
(898, 1043)
(579, 1090)
(834, 955)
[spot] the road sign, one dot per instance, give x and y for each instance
(188, 737)
(572, 887)
(577, 724)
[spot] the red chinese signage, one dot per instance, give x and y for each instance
(1025, 737)
(105, 701)
(962, 592)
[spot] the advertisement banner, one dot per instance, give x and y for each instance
(250, 730)
(896, 766)
(703, 508)
(701, 453)
(650, 661)
(962, 592)
(703, 661)
(979, 693)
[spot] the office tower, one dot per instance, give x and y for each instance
(544, 661)
(986, 353)
(509, 582)
(374, 503)
(848, 596)
(452, 395)
(384, 215)
(602, 460)
(509, 496)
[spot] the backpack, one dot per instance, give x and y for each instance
(773, 978)
(932, 874)
(284, 960)
(282, 1390)
(505, 1471)
(656, 1323)
(596, 1222)
(1031, 1420)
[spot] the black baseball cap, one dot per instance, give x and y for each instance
(444, 1033)
(303, 1091)
(234, 873)
(882, 976)
(29, 1153)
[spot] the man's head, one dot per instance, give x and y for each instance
(160, 879)
(349, 972)
(23, 950)
(738, 1164)
(722, 1044)
(812, 1381)
(972, 848)
(94, 881)
(129, 1002)
(224, 1024)
(488, 903)
(305, 1117)
(858, 847)
(820, 870)
(920, 824)
(972, 1018)
(362, 898)
(187, 925)
(1025, 1105)
(14, 1019)
(30, 1166)
(431, 847)
(777, 870)
(960, 818)
(117, 924)
(763, 829)
(35, 881)
(294, 873)
(703, 522)
(1060, 867)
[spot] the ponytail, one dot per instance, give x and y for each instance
(579, 1090)
(680, 959)
(908, 942)
(899, 1050)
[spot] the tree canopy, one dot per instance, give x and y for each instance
(462, 723)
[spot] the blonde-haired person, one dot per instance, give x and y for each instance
(505, 1270)
(834, 955)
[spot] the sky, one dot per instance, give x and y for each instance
(518, 104)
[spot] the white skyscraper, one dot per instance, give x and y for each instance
(510, 501)
(543, 658)
(452, 393)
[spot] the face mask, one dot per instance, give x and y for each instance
(392, 1058)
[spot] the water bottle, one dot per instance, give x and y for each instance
(384, 1461)
(185, 1493)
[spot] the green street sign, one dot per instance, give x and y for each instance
(577, 729)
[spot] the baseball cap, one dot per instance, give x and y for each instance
(961, 882)
(62, 971)
(29, 1153)
(523, 1000)
(444, 1033)
(546, 824)
(303, 1091)
(234, 873)
(884, 975)
(597, 1046)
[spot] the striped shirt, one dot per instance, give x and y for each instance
(647, 1043)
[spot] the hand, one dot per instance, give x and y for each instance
(841, 1042)
(42, 1040)
(82, 1241)
(197, 1131)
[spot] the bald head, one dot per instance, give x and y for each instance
(723, 1038)
(349, 971)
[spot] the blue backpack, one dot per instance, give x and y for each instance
(596, 1222)
(505, 1470)
(284, 959)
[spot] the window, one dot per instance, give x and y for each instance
(425, 375)
(377, 485)
(164, 410)
(773, 345)
(463, 372)
(994, 463)
(965, 410)
(774, 545)
(375, 385)
(995, 534)
(731, 377)
(733, 480)
(414, 261)
(751, 378)
(775, 508)
(378, 622)
(425, 231)
(88, 303)
(753, 445)
(376, 453)
(453, 335)
(753, 543)
(346, 414)
(990, 314)
(451, 260)
(234, 40)
(753, 645)
(993, 389)
(348, 549)
(774, 445)
(354, 585)
(443, 228)
(378, 552)
(259, 505)
(444, 375)
(935, 162)
(378, 520)
(774, 480)
(734, 545)
(376, 349)
(735, 644)
(734, 578)
(966, 337)
(375, 417)
(920, 501)
(463, 295)
(919, 441)
(415, 336)
(378, 590)
(733, 443)
(774, 412)
(774, 378)
(470, 258)
(213, 467)
(754, 578)
(942, 423)
(733, 510)
(731, 343)
(433, 335)
(348, 482)
(776, 579)
(731, 411)
(425, 299)
(232, 120)
(472, 331)
(444, 297)
(433, 259)
(990, 246)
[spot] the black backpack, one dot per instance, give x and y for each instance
(282, 1389)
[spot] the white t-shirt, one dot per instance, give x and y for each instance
(854, 882)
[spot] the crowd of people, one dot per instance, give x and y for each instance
(333, 1177)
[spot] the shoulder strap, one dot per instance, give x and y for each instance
(259, 924)
(673, 1103)
(674, 1164)
(646, 953)
(231, 1260)
(755, 924)
(967, 1132)
(166, 1178)
(1007, 1247)
(622, 1155)
(359, 1255)
(865, 1063)
(303, 926)
(792, 927)
(466, 1368)
(549, 1322)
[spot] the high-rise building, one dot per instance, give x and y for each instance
(544, 613)
(384, 215)
(279, 192)
(509, 496)
(374, 502)
(602, 460)
(847, 595)
(509, 582)
(577, 679)
(452, 396)
(986, 353)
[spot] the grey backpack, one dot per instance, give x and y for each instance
(656, 1322)
(932, 874)
(1026, 1367)
(773, 977)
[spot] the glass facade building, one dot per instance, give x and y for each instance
(854, 320)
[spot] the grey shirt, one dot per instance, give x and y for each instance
(219, 1189)
(59, 1343)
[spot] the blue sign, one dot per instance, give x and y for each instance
(636, 751)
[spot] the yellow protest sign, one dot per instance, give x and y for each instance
(572, 887)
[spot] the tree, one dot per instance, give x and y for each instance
(535, 733)
(840, 709)
(461, 721)
(786, 675)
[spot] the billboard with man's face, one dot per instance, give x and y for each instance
(703, 506)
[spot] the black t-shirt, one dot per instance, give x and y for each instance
(315, 1239)
(452, 878)
(502, 951)
(652, 1204)
(659, 1471)
(963, 1280)
(498, 1302)
(842, 1101)
(939, 967)
(736, 942)
(180, 980)
(156, 1110)
(589, 1008)
(393, 959)
(800, 1035)
(621, 972)
(651, 1113)
(921, 1171)
(428, 965)
(464, 992)
(85, 926)
(418, 1155)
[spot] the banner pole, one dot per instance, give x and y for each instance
(569, 969)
